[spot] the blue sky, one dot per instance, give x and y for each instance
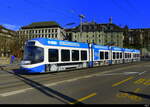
(17, 13)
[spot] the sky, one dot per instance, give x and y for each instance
(18, 13)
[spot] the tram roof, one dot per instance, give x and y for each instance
(114, 48)
(136, 51)
(100, 47)
(61, 43)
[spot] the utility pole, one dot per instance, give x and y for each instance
(81, 23)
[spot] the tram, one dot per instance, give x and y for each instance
(42, 55)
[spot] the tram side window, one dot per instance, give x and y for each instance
(134, 55)
(101, 55)
(130, 55)
(126, 55)
(114, 55)
(53, 55)
(120, 55)
(75, 55)
(83, 55)
(138, 55)
(106, 55)
(65, 55)
(117, 55)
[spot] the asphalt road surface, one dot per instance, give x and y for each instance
(117, 84)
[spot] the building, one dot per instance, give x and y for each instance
(42, 29)
(49, 29)
(103, 34)
(7, 38)
(138, 39)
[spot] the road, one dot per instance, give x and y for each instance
(117, 84)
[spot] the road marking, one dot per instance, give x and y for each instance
(140, 81)
(147, 82)
(14, 92)
(121, 82)
(142, 72)
(128, 96)
(124, 73)
(70, 80)
(137, 90)
(84, 98)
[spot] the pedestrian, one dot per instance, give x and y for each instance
(12, 59)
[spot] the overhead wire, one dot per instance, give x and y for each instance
(52, 9)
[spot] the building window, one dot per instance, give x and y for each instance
(52, 36)
(56, 30)
(56, 35)
(75, 55)
(42, 31)
(65, 55)
(53, 55)
(92, 41)
(52, 30)
(49, 35)
(99, 41)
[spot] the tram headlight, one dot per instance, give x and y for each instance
(25, 62)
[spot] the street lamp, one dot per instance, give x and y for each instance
(81, 22)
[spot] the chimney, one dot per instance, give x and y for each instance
(110, 20)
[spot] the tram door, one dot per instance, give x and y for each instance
(90, 56)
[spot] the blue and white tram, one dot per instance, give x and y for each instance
(46, 55)
(101, 55)
(128, 53)
(116, 55)
(43, 55)
(136, 55)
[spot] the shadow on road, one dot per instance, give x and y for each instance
(46, 90)
(137, 94)
(17, 71)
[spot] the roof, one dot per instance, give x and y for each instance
(42, 25)
(106, 27)
(6, 31)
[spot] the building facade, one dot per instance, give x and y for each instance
(42, 29)
(103, 34)
(138, 39)
(7, 38)
(49, 29)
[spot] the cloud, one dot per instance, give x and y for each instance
(10, 26)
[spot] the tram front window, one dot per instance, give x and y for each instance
(33, 54)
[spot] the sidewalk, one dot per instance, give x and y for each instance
(5, 64)
(4, 60)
